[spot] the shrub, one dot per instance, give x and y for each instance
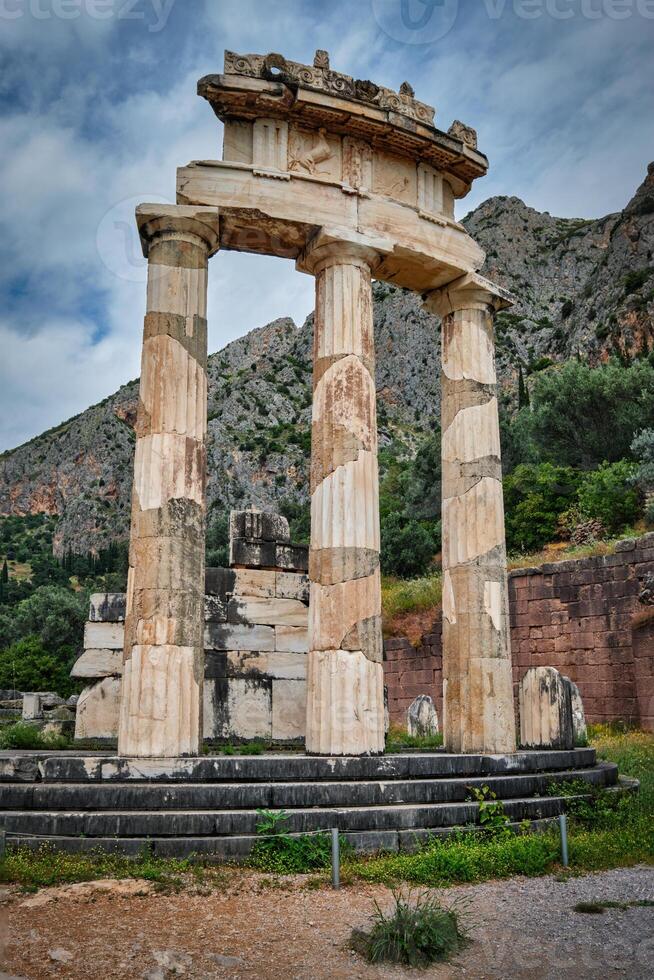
(643, 450)
(21, 735)
(608, 495)
(534, 498)
(407, 547)
(28, 666)
(278, 851)
(414, 933)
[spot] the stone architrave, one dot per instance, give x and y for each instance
(545, 707)
(345, 685)
(161, 704)
(477, 681)
(421, 717)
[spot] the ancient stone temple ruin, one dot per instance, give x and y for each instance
(351, 181)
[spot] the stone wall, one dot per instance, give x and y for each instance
(584, 617)
(256, 642)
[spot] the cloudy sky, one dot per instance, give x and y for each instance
(98, 108)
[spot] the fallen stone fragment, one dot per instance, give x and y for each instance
(422, 719)
(128, 888)
(221, 960)
(60, 955)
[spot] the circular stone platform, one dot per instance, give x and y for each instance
(208, 806)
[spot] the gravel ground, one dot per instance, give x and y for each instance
(251, 926)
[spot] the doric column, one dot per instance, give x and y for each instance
(161, 698)
(345, 689)
(477, 682)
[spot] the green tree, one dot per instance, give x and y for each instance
(534, 497)
(28, 666)
(4, 576)
(643, 450)
(56, 616)
(582, 416)
(217, 541)
(608, 495)
(407, 547)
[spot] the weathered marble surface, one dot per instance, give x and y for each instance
(477, 682)
(545, 705)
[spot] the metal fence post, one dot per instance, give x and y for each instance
(336, 859)
(563, 827)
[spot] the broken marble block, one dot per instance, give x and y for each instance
(97, 710)
(98, 663)
(104, 636)
(32, 707)
(107, 607)
(422, 719)
(257, 525)
(578, 714)
(545, 704)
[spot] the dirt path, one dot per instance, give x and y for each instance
(249, 927)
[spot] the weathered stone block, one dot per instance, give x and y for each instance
(545, 710)
(107, 607)
(292, 585)
(249, 709)
(215, 609)
(98, 710)
(264, 611)
(32, 708)
(289, 699)
(293, 557)
(104, 636)
(258, 525)
(285, 666)
(422, 719)
(254, 581)
(252, 554)
(292, 639)
(98, 663)
(231, 636)
(219, 581)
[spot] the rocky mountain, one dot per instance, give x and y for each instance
(583, 287)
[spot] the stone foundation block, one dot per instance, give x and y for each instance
(545, 710)
(292, 639)
(98, 710)
(292, 585)
(267, 612)
(258, 526)
(104, 636)
(98, 663)
(107, 607)
(231, 636)
(289, 699)
(254, 582)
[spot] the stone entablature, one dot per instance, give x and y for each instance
(255, 640)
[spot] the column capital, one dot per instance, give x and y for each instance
(199, 225)
(470, 291)
(340, 248)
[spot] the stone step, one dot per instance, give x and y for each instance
(267, 768)
(277, 795)
(226, 823)
(237, 848)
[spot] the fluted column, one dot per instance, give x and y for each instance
(161, 697)
(345, 689)
(477, 681)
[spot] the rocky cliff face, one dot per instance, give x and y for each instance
(582, 287)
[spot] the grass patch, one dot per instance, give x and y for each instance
(399, 740)
(46, 867)
(280, 852)
(608, 832)
(22, 735)
(413, 933)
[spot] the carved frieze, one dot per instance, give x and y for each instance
(395, 177)
(466, 134)
(314, 153)
(319, 77)
(357, 163)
